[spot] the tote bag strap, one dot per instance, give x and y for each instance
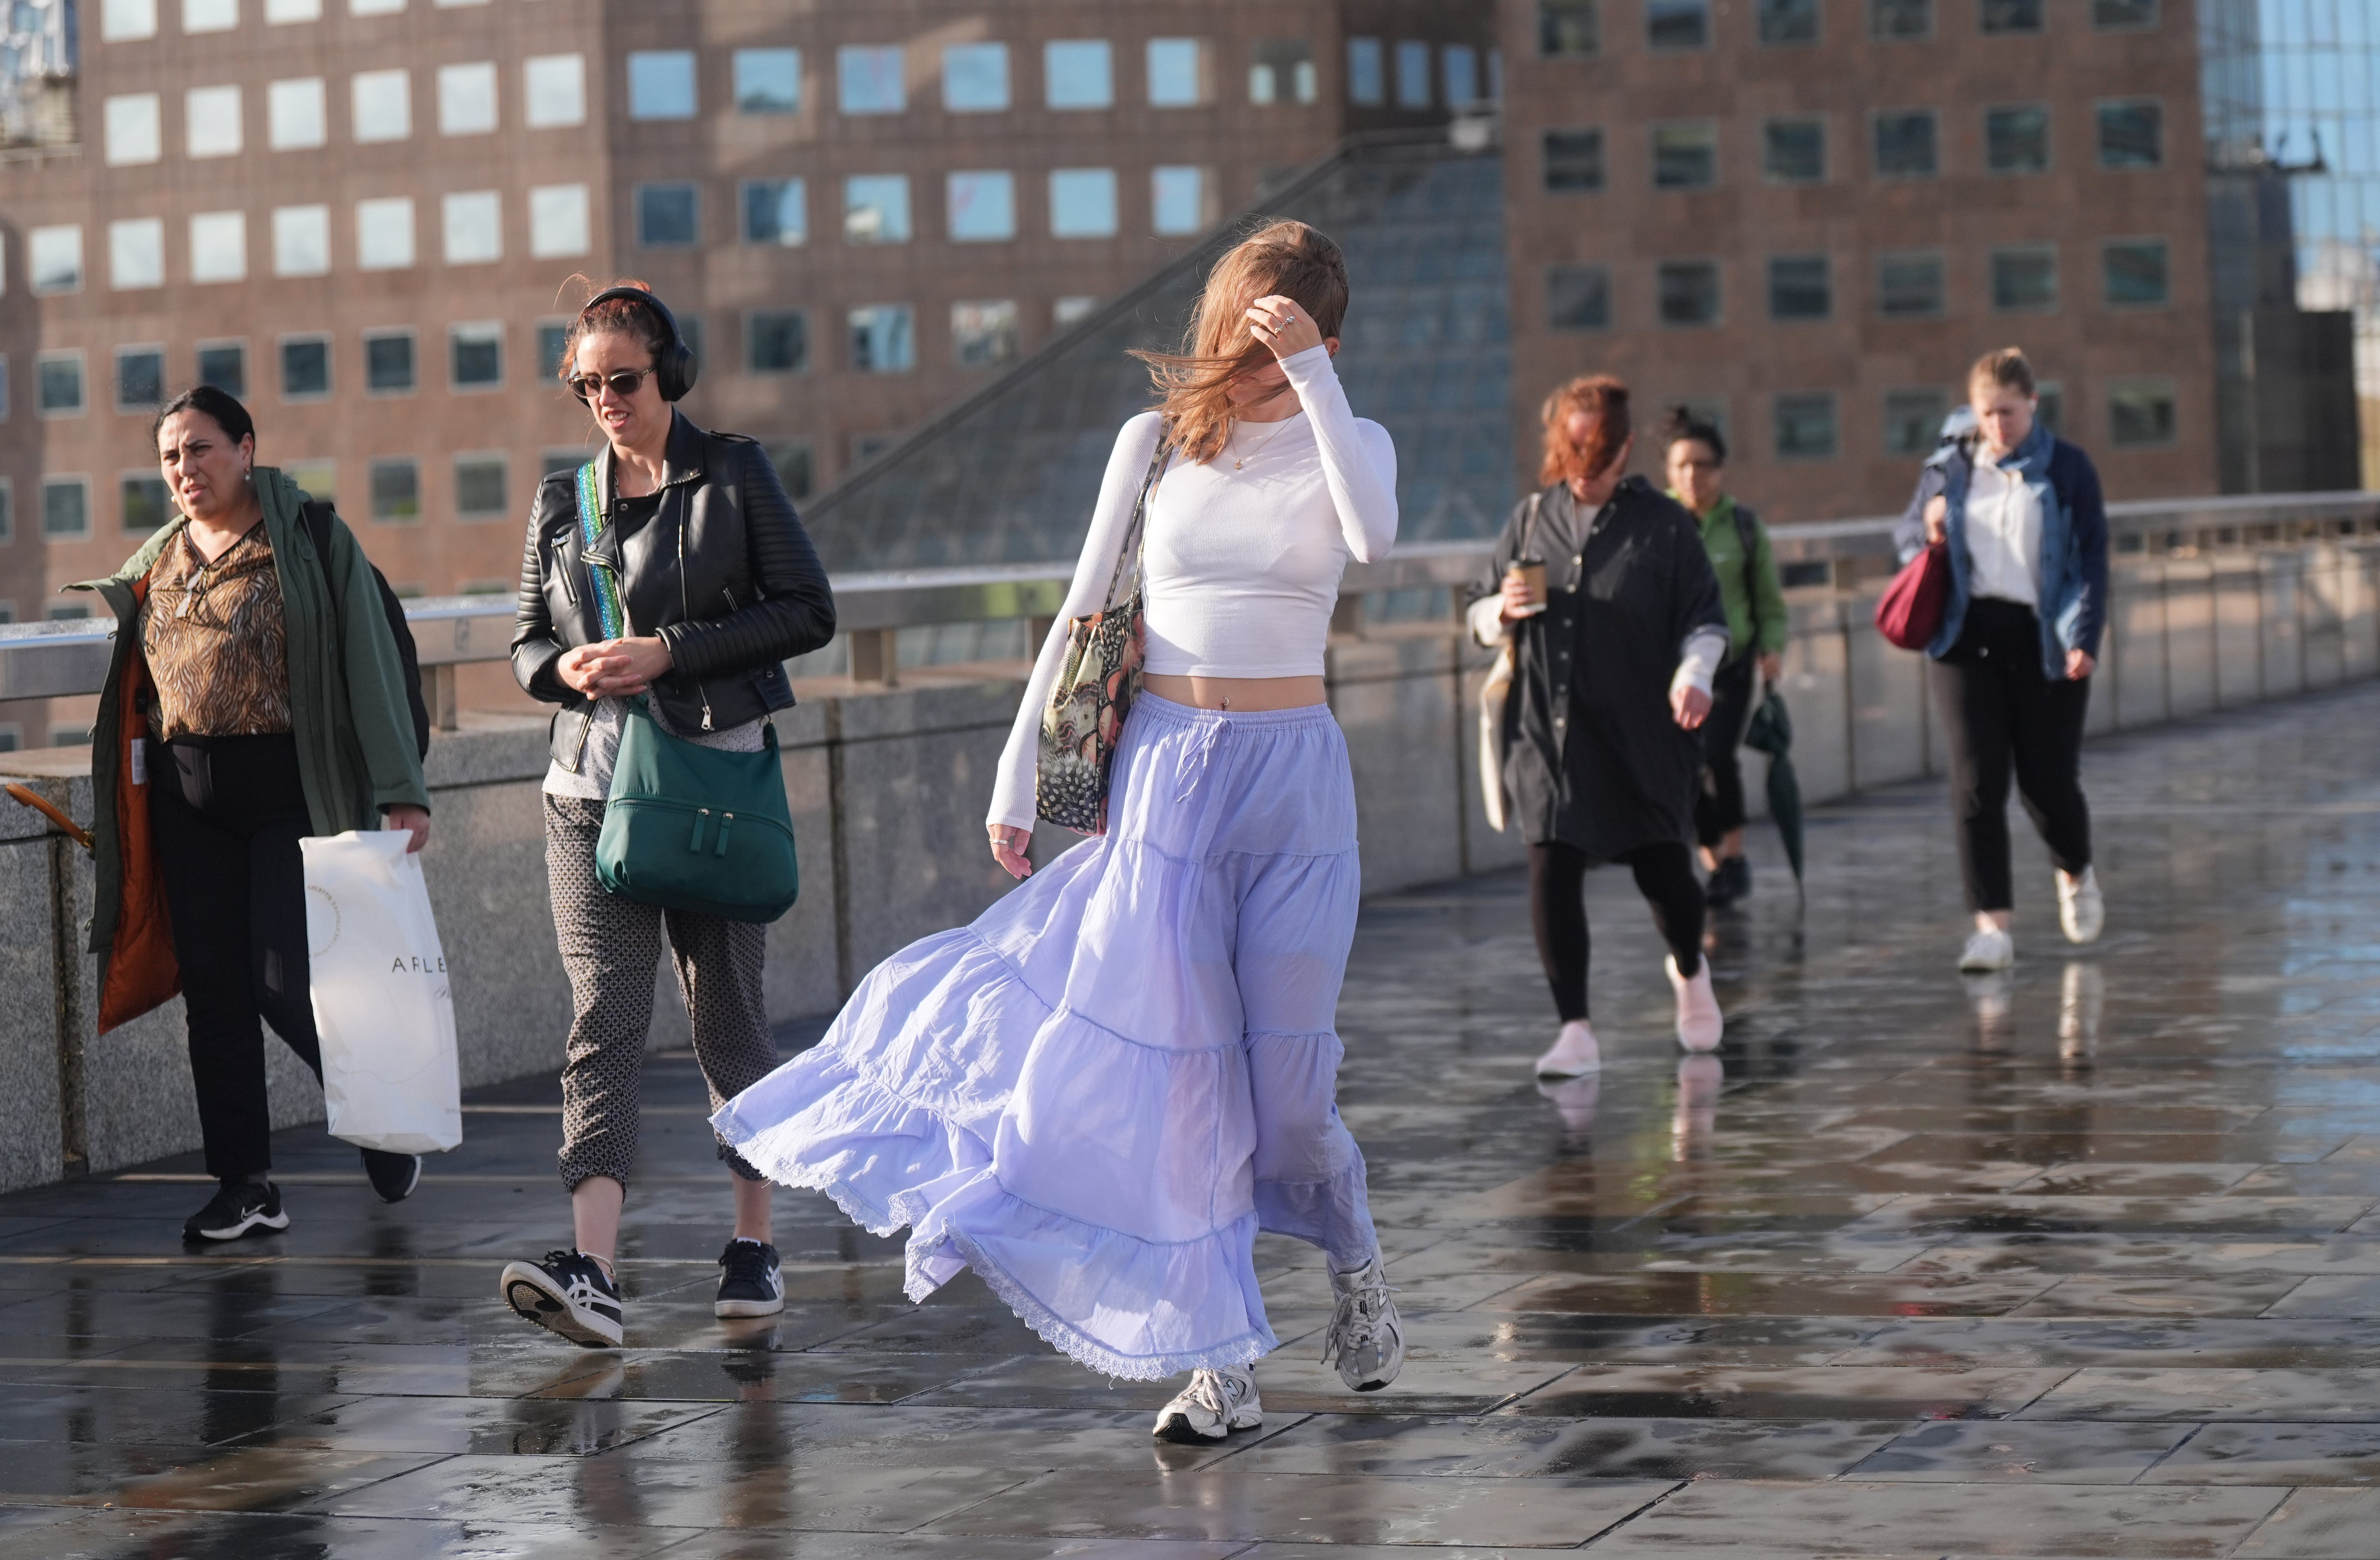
(1135, 536)
(605, 585)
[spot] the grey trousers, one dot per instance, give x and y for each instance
(609, 947)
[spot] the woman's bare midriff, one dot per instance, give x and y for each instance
(1237, 693)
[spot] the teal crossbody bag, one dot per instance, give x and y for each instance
(687, 827)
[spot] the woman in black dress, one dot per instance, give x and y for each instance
(1612, 668)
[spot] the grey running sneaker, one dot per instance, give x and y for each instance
(1215, 1404)
(1365, 1338)
(748, 1281)
(566, 1293)
(236, 1208)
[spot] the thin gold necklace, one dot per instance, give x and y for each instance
(1269, 439)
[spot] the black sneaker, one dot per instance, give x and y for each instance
(1729, 882)
(394, 1176)
(236, 1208)
(568, 1294)
(749, 1282)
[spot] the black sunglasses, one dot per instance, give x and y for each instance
(625, 383)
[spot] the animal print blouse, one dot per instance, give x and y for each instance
(216, 642)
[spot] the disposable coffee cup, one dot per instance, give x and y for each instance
(1532, 574)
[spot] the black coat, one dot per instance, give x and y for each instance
(722, 573)
(1592, 756)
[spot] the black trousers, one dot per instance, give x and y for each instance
(1664, 875)
(236, 893)
(1718, 811)
(2002, 717)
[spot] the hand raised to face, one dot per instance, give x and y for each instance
(1281, 325)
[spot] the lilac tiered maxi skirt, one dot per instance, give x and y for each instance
(1096, 1094)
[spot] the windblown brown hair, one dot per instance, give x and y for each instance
(1193, 385)
(1605, 401)
(2008, 366)
(624, 315)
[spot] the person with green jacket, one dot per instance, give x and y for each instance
(1755, 598)
(255, 697)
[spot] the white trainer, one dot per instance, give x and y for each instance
(1215, 1404)
(1575, 1052)
(1366, 1336)
(1699, 1021)
(1987, 952)
(2081, 911)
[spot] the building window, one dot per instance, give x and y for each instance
(475, 228)
(2016, 140)
(776, 211)
(975, 77)
(1804, 425)
(388, 362)
(211, 122)
(1794, 151)
(281, 13)
(140, 378)
(792, 460)
(1177, 199)
(1412, 75)
(667, 216)
(381, 104)
(210, 16)
(553, 335)
(553, 91)
(2132, 134)
(134, 129)
(2025, 279)
(479, 485)
(1283, 72)
(1789, 21)
(869, 80)
(982, 205)
(1574, 160)
(1460, 68)
(1367, 72)
(660, 84)
(1078, 73)
(2137, 273)
(876, 209)
(143, 504)
(218, 246)
(1893, 21)
(314, 478)
(384, 234)
(56, 254)
(66, 507)
(301, 241)
(2050, 405)
(1082, 204)
(1065, 311)
(305, 368)
(1690, 292)
(1177, 72)
(297, 114)
(776, 341)
(397, 489)
(1912, 421)
(1578, 298)
(224, 364)
(59, 381)
(2011, 15)
(1677, 24)
(767, 81)
(2141, 413)
(124, 20)
(467, 99)
(1800, 286)
(984, 335)
(1686, 154)
(559, 223)
(7, 534)
(1905, 144)
(2124, 16)
(476, 355)
(883, 340)
(1569, 28)
(136, 255)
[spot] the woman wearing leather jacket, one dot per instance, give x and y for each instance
(692, 583)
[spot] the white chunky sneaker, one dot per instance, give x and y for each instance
(1575, 1052)
(1215, 1404)
(1988, 952)
(2081, 911)
(1365, 1338)
(1699, 1023)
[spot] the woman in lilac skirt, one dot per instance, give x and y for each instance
(1097, 1094)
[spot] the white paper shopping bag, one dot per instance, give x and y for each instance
(390, 1080)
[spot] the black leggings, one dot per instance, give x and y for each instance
(1718, 810)
(236, 892)
(1664, 875)
(2000, 714)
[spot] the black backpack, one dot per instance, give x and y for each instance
(318, 526)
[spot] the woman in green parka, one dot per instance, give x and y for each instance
(255, 697)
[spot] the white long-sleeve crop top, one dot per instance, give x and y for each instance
(1242, 556)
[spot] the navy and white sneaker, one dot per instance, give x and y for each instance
(566, 1293)
(749, 1284)
(394, 1176)
(236, 1208)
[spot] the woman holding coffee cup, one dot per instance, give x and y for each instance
(1604, 588)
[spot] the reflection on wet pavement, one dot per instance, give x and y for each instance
(2107, 1227)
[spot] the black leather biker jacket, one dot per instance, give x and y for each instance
(722, 573)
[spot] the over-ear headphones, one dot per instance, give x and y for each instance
(674, 366)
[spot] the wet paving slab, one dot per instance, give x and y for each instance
(2106, 1227)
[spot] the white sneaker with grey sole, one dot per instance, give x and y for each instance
(2081, 911)
(1366, 1337)
(1215, 1404)
(1987, 952)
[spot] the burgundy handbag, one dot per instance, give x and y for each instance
(1909, 614)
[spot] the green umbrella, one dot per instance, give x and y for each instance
(1771, 732)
